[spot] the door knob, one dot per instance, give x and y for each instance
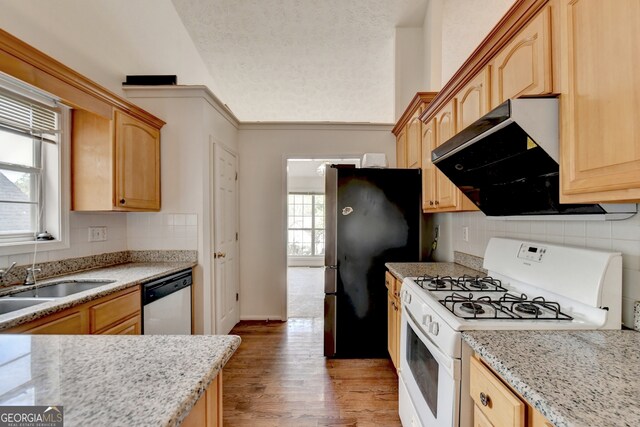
(219, 255)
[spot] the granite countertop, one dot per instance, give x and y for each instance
(151, 380)
(574, 378)
(125, 276)
(413, 269)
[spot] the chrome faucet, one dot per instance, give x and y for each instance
(31, 276)
(4, 273)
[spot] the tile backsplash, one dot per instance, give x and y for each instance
(621, 236)
(146, 231)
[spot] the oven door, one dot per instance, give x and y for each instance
(431, 378)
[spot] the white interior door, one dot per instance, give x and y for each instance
(226, 240)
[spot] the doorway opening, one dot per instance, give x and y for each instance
(306, 235)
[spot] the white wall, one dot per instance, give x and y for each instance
(194, 120)
(263, 149)
(79, 223)
(409, 58)
(432, 44)
(107, 40)
(465, 23)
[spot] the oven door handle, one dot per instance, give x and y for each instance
(451, 365)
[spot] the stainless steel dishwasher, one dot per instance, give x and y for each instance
(167, 305)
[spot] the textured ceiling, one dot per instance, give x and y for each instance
(301, 60)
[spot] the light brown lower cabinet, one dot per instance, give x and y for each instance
(394, 310)
(115, 314)
(207, 411)
(496, 404)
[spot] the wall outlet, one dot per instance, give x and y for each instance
(97, 234)
(465, 234)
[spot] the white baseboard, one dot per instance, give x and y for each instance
(263, 317)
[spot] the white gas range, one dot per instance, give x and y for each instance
(529, 286)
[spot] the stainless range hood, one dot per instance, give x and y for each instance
(507, 164)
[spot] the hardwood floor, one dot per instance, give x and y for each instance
(279, 377)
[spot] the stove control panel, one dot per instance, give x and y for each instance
(531, 252)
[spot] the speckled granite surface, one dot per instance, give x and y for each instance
(125, 276)
(112, 380)
(413, 269)
(71, 265)
(468, 260)
(636, 316)
(574, 378)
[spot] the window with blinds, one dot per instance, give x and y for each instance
(24, 127)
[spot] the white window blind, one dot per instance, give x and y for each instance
(24, 127)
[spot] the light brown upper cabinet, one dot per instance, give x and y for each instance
(414, 144)
(115, 163)
(446, 191)
(401, 149)
(523, 66)
(473, 99)
(439, 194)
(600, 102)
(429, 171)
(408, 132)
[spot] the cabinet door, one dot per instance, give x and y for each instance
(401, 149)
(429, 171)
(414, 142)
(473, 100)
(391, 328)
(137, 164)
(447, 193)
(600, 130)
(523, 67)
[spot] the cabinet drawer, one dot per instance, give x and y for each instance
(114, 311)
(71, 324)
(501, 407)
(128, 327)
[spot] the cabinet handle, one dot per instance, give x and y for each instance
(437, 203)
(484, 399)
(219, 255)
(430, 202)
(123, 201)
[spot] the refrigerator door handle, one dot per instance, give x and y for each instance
(330, 325)
(330, 279)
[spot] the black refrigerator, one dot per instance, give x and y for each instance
(373, 216)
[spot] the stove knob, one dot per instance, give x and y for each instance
(407, 297)
(426, 319)
(434, 328)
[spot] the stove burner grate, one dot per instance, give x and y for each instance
(477, 283)
(435, 283)
(507, 306)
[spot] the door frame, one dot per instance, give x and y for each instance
(284, 204)
(214, 146)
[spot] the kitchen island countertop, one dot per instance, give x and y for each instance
(112, 380)
(574, 378)
(414, 269)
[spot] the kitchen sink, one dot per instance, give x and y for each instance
(8, 305)
(61, 289)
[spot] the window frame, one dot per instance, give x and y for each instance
(313, 228)
(55, 177)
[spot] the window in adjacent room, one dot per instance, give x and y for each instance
(31, 136)
(306, 225)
